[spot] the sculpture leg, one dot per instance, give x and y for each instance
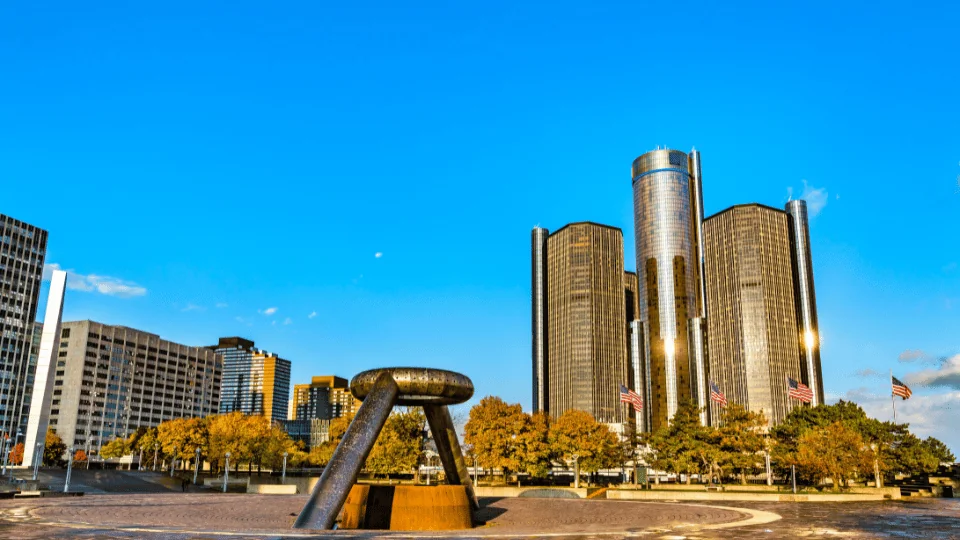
(340, 474)
(448, 446)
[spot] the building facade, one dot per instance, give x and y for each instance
(254, 381)
(805, 298)
(111, 380)
(667, 204)
(23, 250)
(312, 432)
(326, 397)
(538, 290)
(754, 336)
(587, 325)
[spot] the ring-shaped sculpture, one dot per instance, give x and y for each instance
(380, 390)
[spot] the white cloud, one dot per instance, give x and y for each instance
(914, 355)
(221, 305)
(868, 373)
(107, 285)
(288, 320)
(312, 315)
(378, 254)
(946, 375)
(269, 311)
(193, 307)
(816, 198)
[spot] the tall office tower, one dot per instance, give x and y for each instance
(111, 380)
(587, 331)
(22, 251)
(254, 381)
(805, 298)
(753, 325)
(635, 352)
(538, 292)
(666, 201)
(326, 397)
(30, 373)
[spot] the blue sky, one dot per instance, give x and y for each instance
(236, 168)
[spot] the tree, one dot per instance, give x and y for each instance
(16, 455)
(118, 447)
(492, 431)
(939, 450)
(228, 433)
(399, 445)
(54, 449)
(79, 455)
(577, 433)
(320, 455)
(741, 441)
(837, 451)
(684, 445)
(533, 445)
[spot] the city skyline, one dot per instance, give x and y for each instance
(225, 192)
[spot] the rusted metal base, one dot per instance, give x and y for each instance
(407, 508)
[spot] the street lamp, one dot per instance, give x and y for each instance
(173, 461)
(6, 453)
(476, 472)
(766, 455)
(38, 456)
(66, 485)
(226, 471)
(283, 475)
(156, 449)
(196, 467)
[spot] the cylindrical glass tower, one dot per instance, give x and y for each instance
(538, 290)
(806, 298)
(668, 271)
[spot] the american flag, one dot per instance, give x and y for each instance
(900, 389)
(800, 391)
(629, 396)
(717, 395)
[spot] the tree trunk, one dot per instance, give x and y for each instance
(743, 477)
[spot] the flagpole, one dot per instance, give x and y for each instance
(893, 401)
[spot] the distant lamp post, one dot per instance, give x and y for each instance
(66, 485)
(196, 466)
(6, 454)
(38, 456)
(173, 461)
(576, 470)
(156, 450)
(793, 477)
(476, 472)
(766, 455)
(283, 475)
(226, 471)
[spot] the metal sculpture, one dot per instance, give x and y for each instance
(380, 390)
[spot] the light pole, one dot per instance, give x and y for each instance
(66, 485)
(576, 471)
(226, 471)
(196, 467)
(476, 472)
(793, 476)
(283, 475)
(766, 455)
(156, 449)
(173, 461)
(38, 456)
(140, 461)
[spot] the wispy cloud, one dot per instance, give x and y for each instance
(946, 375)
(868, 373)
(288, 320)
(107, 285)
(193, 307)
(269, 311)
(816, 198)
(312, 315)
(378, 254)
(913, 355)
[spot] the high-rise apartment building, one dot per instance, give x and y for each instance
(254, 381)
(111, 380)
(326, 397)
(22, 251)
(585, 324)
(805, 298)
(754, 337)
(667, 210)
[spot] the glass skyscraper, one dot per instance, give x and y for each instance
(254, 381)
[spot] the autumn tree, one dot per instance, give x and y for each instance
(117, 447)
(836, 451)
(16, 455)
(79, 455)
(492, 430)
(577, 433)
(741, 440)
(228, 433)
(54, 449)
(400, 443)
(533, 445)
